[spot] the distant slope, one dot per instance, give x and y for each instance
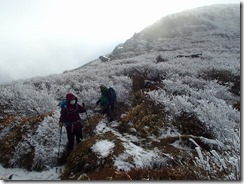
(190, 22)
(223, 20)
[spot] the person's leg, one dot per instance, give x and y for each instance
(79, 136)
(70, 145)
(106, 110)
(112, 106)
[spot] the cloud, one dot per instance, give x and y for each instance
(4, 76)
(50, 36)
(28, 59)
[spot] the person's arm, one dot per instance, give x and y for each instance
(81, 108)
(98, 101)
(64, 115)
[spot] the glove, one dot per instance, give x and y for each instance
(84, 107)
(61, 124)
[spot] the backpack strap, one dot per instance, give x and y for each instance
(67, 109)
(68, 112)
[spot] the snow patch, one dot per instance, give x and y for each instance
(103, 148)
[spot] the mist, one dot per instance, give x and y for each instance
(45, 37)
(39, 38)
(47, 57)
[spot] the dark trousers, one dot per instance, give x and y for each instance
(71, 138)
(106, 110)
(112, 105)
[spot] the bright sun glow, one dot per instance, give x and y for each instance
(107, 19)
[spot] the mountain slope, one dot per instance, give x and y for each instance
(191, 26)
(191, 22)
(185, 124)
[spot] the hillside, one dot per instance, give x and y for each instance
(191, 27)
(184, 125)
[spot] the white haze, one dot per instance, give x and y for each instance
(183, 91)
(45, 37)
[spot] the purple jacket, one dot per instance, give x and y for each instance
(71, 113)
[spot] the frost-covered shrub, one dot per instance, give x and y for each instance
(21, 146)
(213, 112)
(218, 164)
(224, 77)
(189, 124)
(25, 99)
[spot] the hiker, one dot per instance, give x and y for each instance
(107, 100)
(71, 119)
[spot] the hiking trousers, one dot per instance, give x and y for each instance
(74, 131)
(71, 138)
(106, 110)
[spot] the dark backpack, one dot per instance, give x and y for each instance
(112, 95)
(62, 104)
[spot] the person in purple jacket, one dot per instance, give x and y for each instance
(71, 119)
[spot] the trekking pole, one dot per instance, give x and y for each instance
(60, 139)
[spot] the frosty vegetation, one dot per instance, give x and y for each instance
(196, 105)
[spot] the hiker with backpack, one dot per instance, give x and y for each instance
(71, 119)
(107, 100)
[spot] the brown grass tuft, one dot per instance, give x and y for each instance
(83, 160)
(145, 117)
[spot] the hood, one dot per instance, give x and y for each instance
(103, 88)
(70, 97)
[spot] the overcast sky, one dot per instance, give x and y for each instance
(42, 37)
